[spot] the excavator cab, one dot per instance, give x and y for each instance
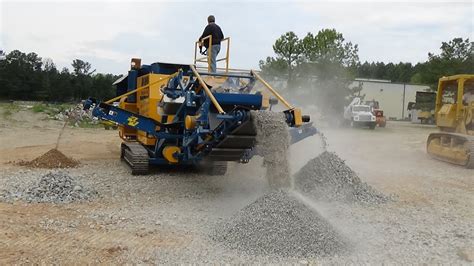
(454, 117)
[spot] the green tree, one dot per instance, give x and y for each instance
(320, 67)
(332, 62)
(20, 75)
(456, 57)
(329, 47)
(81, 81)
(288, 48)
(401, 72)
(26, 76)
(102, 86)
(273, 66)
(81, 67)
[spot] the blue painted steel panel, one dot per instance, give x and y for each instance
(249, 100)
(126, 118)
(167, 68)
(132, 84)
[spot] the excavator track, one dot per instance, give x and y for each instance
(445, 151)
(470, 163)
(136, 156)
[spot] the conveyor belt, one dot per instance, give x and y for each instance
(234, 145)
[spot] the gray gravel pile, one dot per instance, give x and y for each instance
(53, 187)
(75, 115)
(328, 178)
(279, 225)
(273, 144)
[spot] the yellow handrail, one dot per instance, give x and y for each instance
(207, 59)
(207, 90)
(279, 97)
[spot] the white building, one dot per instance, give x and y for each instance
(392, 97)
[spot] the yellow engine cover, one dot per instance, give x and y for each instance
(446, 116)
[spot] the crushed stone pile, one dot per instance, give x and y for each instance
(58, 187)
(53, 187)
(273, 144)
(278, 224)
(51, 159)
(328, 178)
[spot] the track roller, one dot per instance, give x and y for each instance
(452, 148)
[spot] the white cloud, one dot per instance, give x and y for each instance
(64, 31)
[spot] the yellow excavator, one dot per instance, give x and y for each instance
(455, 119)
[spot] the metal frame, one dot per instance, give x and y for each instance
(207, 59)
(202, 105)
(196, 143)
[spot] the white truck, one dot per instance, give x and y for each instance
(359, 115)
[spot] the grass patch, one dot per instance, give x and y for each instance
(39, 108)
(7, 113)
(89, 124)
(9, 109)
(51, 109)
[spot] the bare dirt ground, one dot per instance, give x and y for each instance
(166, 217)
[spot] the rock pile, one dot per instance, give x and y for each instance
(273, 144)
(76, 115)
(51, 159)
(278, 224)
(57, 187)
(328, 178)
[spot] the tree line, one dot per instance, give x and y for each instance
(320, 68)
(456, 57)
(323, 64)
(27, 76)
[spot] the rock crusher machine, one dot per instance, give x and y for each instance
(455, 118)
(169, 114)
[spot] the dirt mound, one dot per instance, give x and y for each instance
(278, 224)
(51, 159)
(273, 144)
(328, 178)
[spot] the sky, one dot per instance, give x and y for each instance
(108, 33)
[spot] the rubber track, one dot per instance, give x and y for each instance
(470, 163)
(136, 156)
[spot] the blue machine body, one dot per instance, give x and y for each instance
(195, 143)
